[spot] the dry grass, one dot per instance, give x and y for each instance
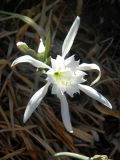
(96, 128)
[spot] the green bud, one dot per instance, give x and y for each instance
(23, 47)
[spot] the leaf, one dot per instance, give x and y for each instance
(83, 135)
(106, 110)
(42, 142)
(47, 46)
(11, 155)
(27, 20)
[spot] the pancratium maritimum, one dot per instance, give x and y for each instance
(66, 76)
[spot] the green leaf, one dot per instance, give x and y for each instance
(47, 46)
(27, 20)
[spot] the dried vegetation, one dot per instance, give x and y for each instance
(96, 128)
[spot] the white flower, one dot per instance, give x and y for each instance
(66, 76)
(41, 47)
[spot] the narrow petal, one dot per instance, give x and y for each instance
(95, 95)
(65, 112)
(41, 47)
(87, 67)
(29, 59)
(70, 37)
(35, 101)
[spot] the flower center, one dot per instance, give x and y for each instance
(64, 78)
(58, 75)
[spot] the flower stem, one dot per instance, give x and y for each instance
(73, 155)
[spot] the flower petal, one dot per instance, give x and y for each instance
(72, 90)
(30, 60)
(87, 67)
(58, 63)
(71, 63)
(95, 95)
(65, 112)
(41, 47)
(69, 59)
(35, 101)
(70, 37)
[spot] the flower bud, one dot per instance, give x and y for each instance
(23, 47)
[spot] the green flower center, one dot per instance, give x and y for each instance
(63, 78)
(58, 75)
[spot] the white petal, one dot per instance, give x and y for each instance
(72, 89)
(69, 60)
(53, 63)
(95, 95)
(65, 112)
(87, 67)
(71, 63)
(29, 59)
(70, 37)
(41, 47)
(35, 101)
(58, 63)
(55, 89)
